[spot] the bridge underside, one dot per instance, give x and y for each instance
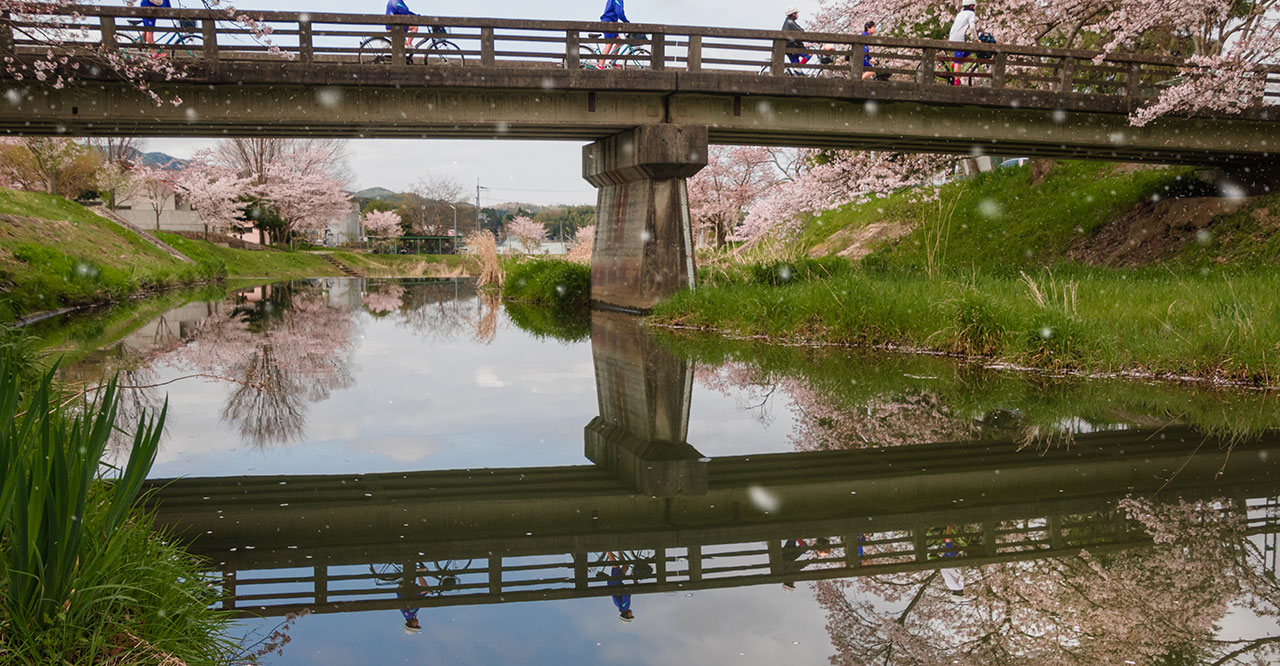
(512, 103)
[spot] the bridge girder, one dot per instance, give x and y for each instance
(257, 99)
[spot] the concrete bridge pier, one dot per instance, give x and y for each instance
(644, 393)
(644, 242)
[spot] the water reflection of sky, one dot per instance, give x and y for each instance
(442, 402)
(413, 381)
(759, 625)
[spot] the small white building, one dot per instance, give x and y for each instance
(549, 248)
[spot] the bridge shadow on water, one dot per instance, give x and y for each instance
(653, 514)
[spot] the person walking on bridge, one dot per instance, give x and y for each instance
(963, 29)
(614, 12)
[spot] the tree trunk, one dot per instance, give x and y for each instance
(1040, 168)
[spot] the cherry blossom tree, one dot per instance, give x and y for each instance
(213, 192)
(584, 240)
(735, 178)
(53, 165)
(116, 182)
(381, 223)
(530, 234)
(156, 186)
(306, 198)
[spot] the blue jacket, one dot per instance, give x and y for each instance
(614, 12)
(398, 7)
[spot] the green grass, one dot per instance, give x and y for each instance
(563, 324)
(999, 221)
(549, 282)
(83, 576)
(67, 256)
(252, 263)
(1092, 320)
(407, 265)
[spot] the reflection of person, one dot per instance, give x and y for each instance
(616, 573)
(951, 546)
(792, 550)
(409, 590)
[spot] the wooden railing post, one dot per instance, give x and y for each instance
(397, 45)
(694, 60)
(659, 53)
(778, 59)
(927, 60)
(856, 56)
(998, 69)
(209, 32)
(695, 563)
(106, 25)
(495, 575)
(572, 43)
(487, 55)
(1133, 80)
(1065, 82)
(306, 49)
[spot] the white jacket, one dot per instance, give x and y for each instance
(966, 24)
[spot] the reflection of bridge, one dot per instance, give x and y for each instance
(651, 120)
(287, 543)
(325, 542)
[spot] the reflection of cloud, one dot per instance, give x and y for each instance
(400, 448)
(486, 378)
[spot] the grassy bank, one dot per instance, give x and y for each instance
(552, 283)
(1092, 320)
(994, 268)
(84, 577)
(55, 253)
(250, 263)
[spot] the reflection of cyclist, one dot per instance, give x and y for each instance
(398, 8)
(616, 574)
(409, 590)
(963, 29)
(147, 35)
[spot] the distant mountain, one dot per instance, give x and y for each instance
(381, 193)
(159, 160)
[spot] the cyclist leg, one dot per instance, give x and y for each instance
(147, 35)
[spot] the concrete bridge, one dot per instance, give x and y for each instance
(340, 543)
(650, 112)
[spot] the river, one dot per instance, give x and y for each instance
(406, 471)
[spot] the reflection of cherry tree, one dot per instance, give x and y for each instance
(384, 299)
(284, 347)
(1159, 604)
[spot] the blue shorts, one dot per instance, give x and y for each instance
(150, 23)
(610, 35)
(962, 54)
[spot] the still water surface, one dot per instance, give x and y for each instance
(371, 453)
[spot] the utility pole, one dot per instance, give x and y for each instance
(478, 188)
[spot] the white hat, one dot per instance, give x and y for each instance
(411, 630)
(792, 9)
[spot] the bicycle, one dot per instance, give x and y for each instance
(184, 43)
(435, 50)
(445, 572)
(791, 70)
(626, 56)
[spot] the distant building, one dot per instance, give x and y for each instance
(550, 248)
(176, 215)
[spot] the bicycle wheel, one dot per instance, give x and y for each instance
(187, 47)
(449, 567)
(636, 59)
(441, 52)
(386, 573)
(375, 50)
(589, 58)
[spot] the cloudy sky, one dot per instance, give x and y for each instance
(526, 171)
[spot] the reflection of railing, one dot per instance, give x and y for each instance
(327, 38)
(704, 565)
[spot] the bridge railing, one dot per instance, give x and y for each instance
(422, 579)
(212, 37)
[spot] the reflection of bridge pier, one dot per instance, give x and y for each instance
(644, 392)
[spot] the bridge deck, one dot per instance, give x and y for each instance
(345, 75)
